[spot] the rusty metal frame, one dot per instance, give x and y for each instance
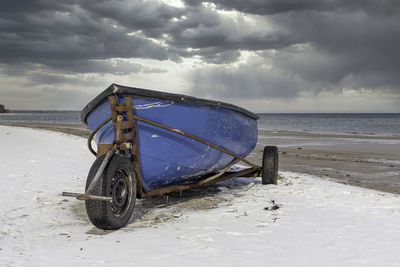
(123, 121)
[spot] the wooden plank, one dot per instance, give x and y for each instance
(113, 102)
(121, 107)
(103, 148)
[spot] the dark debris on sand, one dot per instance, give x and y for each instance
(274, 206)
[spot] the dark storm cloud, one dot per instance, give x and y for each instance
(114, 66)
(305, 45)
(244, 82)
(150, 17)
(50, 33)
(272, 7)
(343, 45)
(330, 45)
(197, 28)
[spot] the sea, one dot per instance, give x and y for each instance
(379, 124)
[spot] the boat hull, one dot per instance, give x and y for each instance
(167, 158)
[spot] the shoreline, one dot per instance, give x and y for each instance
(77, 129)
(321, 134)
(360, 160)
(365, 161)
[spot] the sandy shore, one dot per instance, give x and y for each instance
(366, 161)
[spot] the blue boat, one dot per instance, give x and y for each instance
(168, 158)
(167, 142)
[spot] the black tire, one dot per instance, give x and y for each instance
(118, 181)
(270, 165)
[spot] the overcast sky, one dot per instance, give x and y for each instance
(264, 55)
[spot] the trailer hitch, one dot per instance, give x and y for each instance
(87, 194)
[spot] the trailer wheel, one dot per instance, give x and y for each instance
(270, 165)
(118, 181)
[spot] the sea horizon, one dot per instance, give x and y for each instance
(376, 124)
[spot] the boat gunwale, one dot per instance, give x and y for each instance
(115, 89)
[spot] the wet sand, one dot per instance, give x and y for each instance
(366, 161)
(74, 129)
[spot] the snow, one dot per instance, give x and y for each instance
(304, 221)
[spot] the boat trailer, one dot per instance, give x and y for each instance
(125, 143)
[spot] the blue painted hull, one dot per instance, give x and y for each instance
(167, 158)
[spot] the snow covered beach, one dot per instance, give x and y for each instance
(304, 221)
(370, 161)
